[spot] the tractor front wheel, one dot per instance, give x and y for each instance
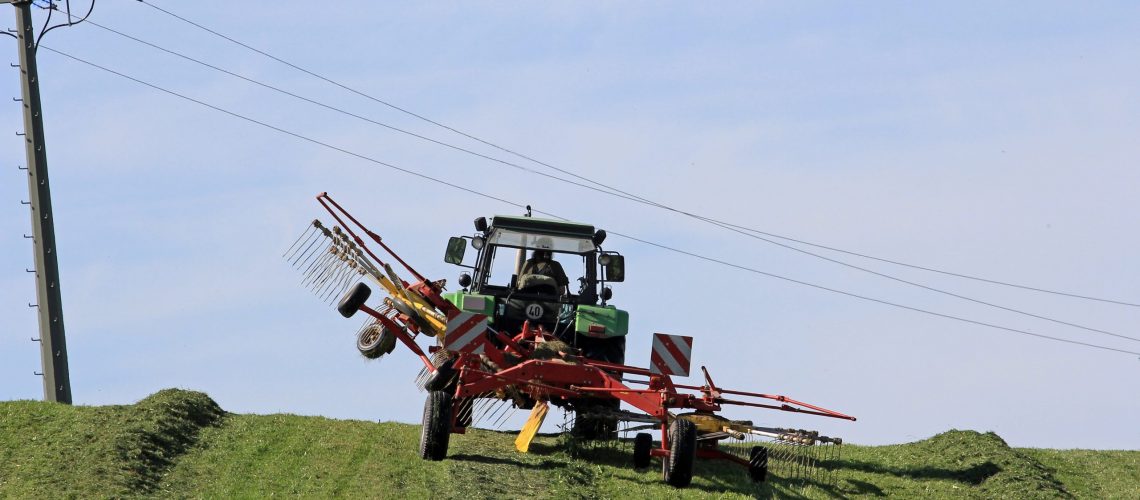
(436, 426)
(678, 466)
(642, 445)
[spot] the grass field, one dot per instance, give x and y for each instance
(180, 444)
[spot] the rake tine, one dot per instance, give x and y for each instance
(308, 236)
(477, 411)
(493, 413)
(466, 412)
(511, 410)
(340, 282)
(319, 268)
(312, 258)
(501, 409)
(308, 248)
(336, 277)
(469, 414)
(349, 273)
(314, 272)
(304, 236)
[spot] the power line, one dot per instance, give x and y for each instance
(519, 205)
(346, 112)
(621, 194)
(67, 10)
(632, 197)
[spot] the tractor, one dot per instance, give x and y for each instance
(518, 334)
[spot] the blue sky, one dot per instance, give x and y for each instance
(984, 138)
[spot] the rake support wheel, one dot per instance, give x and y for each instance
(375, 341)
(758, 464)
(642, 444)
(352, 300)
(678, 466)
(436, 426)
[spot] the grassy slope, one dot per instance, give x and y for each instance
(178, 443)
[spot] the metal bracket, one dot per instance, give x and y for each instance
(32, 305)
(36, 340)
(21, 168)
(40, 374)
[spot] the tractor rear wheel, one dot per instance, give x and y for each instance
(611, 350)
(758, 464)
(436, 426)
(678, 466)
(593, 420)
(642, 444)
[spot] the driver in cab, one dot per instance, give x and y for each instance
(541, 264)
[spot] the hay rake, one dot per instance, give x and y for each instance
(495, 349)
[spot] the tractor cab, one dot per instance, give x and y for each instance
(550, 273)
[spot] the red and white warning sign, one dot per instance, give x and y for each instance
(465, 332)
(671, 354)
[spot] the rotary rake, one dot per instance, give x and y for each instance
(479, 366)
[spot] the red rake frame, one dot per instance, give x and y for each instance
(565, 377)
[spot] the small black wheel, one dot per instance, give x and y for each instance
(678, 466)
(375, 341)
(353, 300)
(442, 377)
(642, 444)
(436, 426)
(758, 464)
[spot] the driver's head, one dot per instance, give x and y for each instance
(542, 255)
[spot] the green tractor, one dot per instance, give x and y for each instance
(518, 277)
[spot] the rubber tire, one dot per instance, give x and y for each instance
(353, 300)
(678, 466)
(442, 377)
(436, 426)
(758, 464)
(372, 347)
(642, 444)
(610, 350)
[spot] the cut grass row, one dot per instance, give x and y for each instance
(180, 444)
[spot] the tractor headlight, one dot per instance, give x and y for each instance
(478, 242)
(604, 259)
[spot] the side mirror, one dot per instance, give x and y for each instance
(456, 247)
(613, 267)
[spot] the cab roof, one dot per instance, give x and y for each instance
(542, 226)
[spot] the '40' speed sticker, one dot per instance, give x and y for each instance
(534, 311)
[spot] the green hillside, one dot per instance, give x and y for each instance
(180, 443)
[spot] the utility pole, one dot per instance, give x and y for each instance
(53, 346)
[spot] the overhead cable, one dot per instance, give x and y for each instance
(519, 205)
(624, 194)
(729, 227)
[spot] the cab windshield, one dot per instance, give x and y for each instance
(557, 244)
